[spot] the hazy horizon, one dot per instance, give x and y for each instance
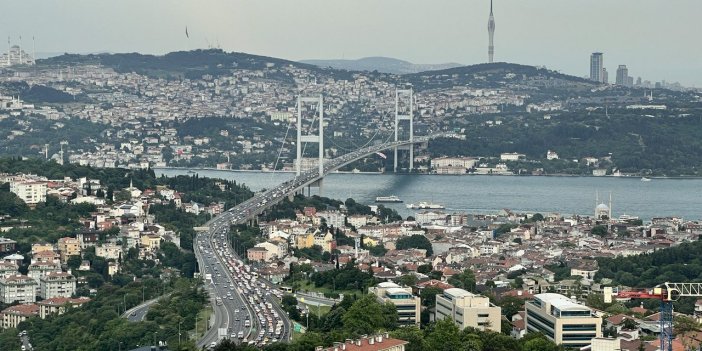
(654, 39)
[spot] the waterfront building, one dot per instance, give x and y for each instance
(468, 310)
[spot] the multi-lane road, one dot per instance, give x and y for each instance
(246, 307)
(238, 295)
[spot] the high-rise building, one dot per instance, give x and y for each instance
(563, 321)
(622, 75)
(491, 34)
(605, 76)
(596, 67)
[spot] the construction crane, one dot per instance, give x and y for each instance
(667, 293)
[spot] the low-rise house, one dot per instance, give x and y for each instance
(59, 305)
(14, 315)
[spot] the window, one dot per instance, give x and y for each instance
(579, 327)
(483, 315)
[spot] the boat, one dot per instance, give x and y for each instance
(644, 179)
(425, 206)
(190, 171)
(391, 198)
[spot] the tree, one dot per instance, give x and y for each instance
(464, 280)
(444, 336)
(411, 334)
(511, 305)
(428, 295)
(74, 262)
(424, 268)
(599, 230)
(415, 241)
(367, 315)
(408, 280)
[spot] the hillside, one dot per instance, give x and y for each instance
(380, 64)
(188, 64)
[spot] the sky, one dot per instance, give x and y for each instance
(656, 39)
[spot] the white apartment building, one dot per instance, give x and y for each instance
(30, 191)
(334, 219)
(38, 270)
(108, 251)
(468, 310)
(20, 288)
(408, 306)
(565, 322)
(57, 284)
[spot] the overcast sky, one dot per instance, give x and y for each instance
(656, 39)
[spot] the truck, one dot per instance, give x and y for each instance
(222, 333)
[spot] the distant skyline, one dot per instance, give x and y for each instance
(655, 39)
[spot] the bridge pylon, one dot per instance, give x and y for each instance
(407, 114)
(310, 138)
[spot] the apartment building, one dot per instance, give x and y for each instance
(20, 288)
(68, 247)
(565, 322)
(408, 306)
(468, 310)
(31, 192)
(57, 284)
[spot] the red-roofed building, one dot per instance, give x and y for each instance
(59, 304)
(372, 343)
(14, 315)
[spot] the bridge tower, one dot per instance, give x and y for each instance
(405, 96)
(310, 138)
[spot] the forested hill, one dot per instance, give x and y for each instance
(190, 64)
(492, 75)
(678, 264)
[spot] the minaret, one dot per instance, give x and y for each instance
(491, 33)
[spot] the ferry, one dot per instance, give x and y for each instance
(391, 198)
(425, 206)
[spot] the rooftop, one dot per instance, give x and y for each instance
(561, 302)
(457, 292)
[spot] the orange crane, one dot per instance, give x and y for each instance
(667, 293)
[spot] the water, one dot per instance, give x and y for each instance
(485, 194)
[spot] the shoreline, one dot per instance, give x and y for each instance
(195, 169)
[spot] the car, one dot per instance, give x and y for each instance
(133, 314)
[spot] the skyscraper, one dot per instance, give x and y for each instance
(622, 75)
(596, 67)
(491, 34)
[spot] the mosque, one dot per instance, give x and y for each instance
(603, 211)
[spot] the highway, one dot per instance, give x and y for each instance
(236, 291)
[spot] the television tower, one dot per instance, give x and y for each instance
(491, 33)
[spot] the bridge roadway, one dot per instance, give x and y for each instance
(213, 251)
